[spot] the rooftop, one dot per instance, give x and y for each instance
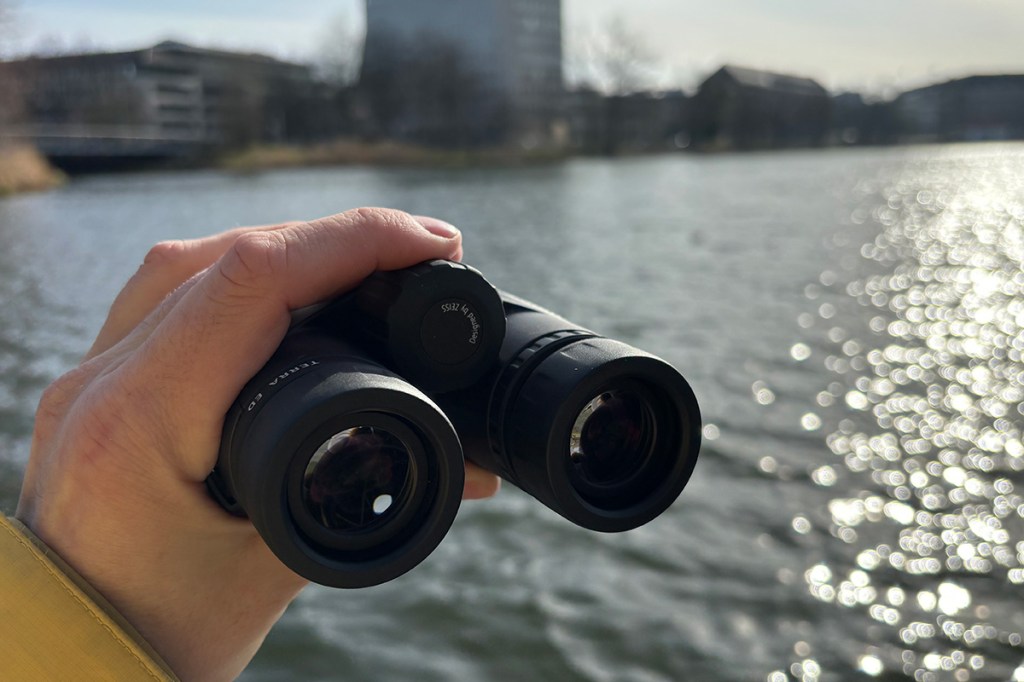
(767, 80)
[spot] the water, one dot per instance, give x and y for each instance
(851, 322)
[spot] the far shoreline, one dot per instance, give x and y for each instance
(349, 152)
(23, 169)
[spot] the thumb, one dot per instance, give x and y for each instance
(225, 327)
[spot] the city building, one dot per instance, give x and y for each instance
(849, 119)
(739, 108)
(586, 113)
(464, 72)
(648, 122)
(164, 100)
(639, 122)
(967, 109)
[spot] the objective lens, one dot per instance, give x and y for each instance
(358, 479)
(611, 439)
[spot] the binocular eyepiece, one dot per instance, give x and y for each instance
(346, 449)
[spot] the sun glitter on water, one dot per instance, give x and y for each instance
(924, 421)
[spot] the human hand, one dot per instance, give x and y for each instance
(124, 442)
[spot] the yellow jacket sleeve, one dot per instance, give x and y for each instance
(54, 626)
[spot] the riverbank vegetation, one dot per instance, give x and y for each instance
(347, 152)
(23, 169)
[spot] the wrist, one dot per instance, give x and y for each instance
(40, 589)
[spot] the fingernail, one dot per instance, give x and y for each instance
(437, 227)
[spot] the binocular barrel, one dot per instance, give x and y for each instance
(598, 431)
(346, 450)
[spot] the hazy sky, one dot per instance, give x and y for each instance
(868, 45)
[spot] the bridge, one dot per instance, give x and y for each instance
(81, 142)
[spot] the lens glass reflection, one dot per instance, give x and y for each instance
(357, 479)
(611, 438)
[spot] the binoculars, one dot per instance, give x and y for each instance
(346, 449)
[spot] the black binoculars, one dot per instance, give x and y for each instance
(346, 449)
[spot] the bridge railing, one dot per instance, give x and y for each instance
(87, 140)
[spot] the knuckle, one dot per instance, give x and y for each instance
(370, 229)
(57, 398)
(367, 214)
(166, 253)
(102, 426)
(61, 392)
(374, 218)
(254, 260)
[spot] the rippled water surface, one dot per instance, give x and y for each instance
(851, 321)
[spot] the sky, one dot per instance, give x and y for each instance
(876, 47)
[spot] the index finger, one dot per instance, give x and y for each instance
(167, 266)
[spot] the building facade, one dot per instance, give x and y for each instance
(167, 97)
(464, 71)
(640, 122)
(967, 109)
(740, 108)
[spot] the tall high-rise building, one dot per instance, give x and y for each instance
(475, 71)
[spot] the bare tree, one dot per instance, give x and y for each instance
(611, 58)
(445, 97)
(8, 22)
(425, 89)
(339, 52)
(12, 102)
(50, 45)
